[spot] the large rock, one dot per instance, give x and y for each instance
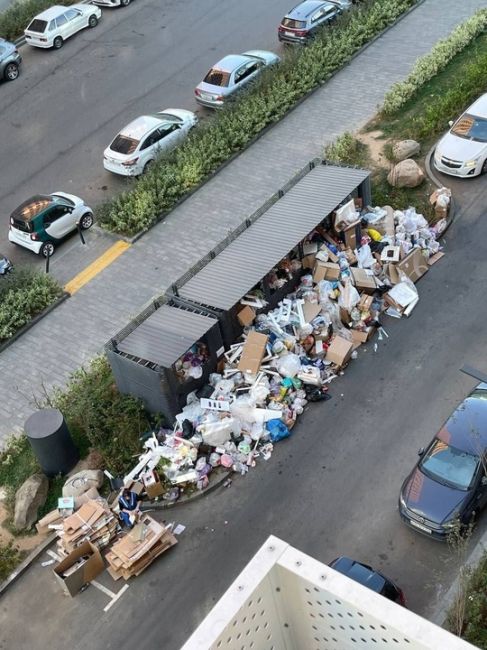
(405, 149)
(82, 481)
(31, 495)
(407, 173)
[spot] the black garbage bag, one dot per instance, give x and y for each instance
(188, 429)
(316, 394)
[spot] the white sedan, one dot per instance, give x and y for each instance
(463, 150)
(111, 3)
(138, 144)
(53, 26)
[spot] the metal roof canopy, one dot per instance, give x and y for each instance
(166, 335)
(246, 260)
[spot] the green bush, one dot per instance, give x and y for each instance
(10, 557)
(23, 294)
(434, 62)
(468, 616)
(272, 96)
(347, 150)
(15, 19)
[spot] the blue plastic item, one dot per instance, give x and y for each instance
(277, 430)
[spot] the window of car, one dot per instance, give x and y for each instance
(52, 25)
(471, 127)
(449, 465)
(61, 20)
(217, 77)
(317, 15)
(245, 71)
(71, 14)
(123, 144)
(293, 24)
(37, 26)
(389, 591)
(329, 12)
(54, 214)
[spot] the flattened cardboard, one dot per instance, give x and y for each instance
(363, 280)
(414, 265)
(352, 235)
(435, 258)
(310, 310)
(326, 271)
(345, 316)
(362, 336)
(339, 351)
(84, 574)
(246, 316)
(365, 302)
(253, 353)
(308, 261)
(345, 216)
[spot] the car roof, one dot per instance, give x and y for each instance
(230, 62)
(466, 428)
(141, 125)
(30, 208)
(360, 573)
(307, 7)
(479, 107)
(49, 14)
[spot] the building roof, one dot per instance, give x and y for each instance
(247, 259)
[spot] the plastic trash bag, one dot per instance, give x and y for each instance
(277, 430)
(364, 256)
(289, 365)
(349, 296)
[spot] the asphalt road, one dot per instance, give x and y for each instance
(330, 489)
(67, 105)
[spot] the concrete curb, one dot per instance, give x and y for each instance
(452, 212)
(25, 564)
(266, 129)
(35, 320)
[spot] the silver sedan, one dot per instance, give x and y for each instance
(230, 75)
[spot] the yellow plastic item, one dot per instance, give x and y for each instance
(374, 234)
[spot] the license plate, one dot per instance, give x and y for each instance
(420, 526)
(206, 96)
(290, 33)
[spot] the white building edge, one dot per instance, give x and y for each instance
(286, 600)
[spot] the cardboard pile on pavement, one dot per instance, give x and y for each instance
(93, 522)
(139, 548)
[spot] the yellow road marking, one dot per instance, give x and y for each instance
(96, 267)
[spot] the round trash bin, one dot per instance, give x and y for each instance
(51, 441)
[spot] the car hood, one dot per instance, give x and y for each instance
(269, 57)
(429, 499)
(457, 148)
(71, 197)
(215, 90)
(5, 265)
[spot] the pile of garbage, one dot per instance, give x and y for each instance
(353, 271)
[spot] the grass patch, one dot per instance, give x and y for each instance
(468, 616)
(10, 557)
(347, 150)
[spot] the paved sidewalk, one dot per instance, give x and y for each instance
(78, 329)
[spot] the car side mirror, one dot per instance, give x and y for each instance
(484, 480)
(450, 123)
(420, 451)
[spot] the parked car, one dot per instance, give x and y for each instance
(463, 150)
(448, 486)
(370, 578)
(344, 5)
(111, 3)
(230, 75)
(53, 26)
(10, 60)
(5, 265)
(140, 142)
(303, 22)
(44, 220)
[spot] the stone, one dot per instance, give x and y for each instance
(405, 149)
(81, 482)
(94, 460)
(406, 173)
(31, 495)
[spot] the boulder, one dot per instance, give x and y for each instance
(406, 173)
(405, 149)
(81, 482)
(31, 495)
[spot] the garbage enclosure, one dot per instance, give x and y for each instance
(51, 441)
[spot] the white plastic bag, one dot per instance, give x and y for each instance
(364, 257)
(289, 365)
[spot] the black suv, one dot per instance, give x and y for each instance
(303, 22)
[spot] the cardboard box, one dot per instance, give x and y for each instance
(83, 574)
(345, 316)
(352, 235)
(345, 216)
(308, 261)
(326, 271)
(246, 316)
(400, 296)
(391, 254)
(154, 490)
(253, 353)
(414, 265)
(339, 351)
(310, 310)
(362, 336)
(135, 486)
(310, 248)
(364, 280)
(350, 255)
(365, 302)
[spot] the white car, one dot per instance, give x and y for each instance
(54, 25)
(140, 142)
(111, 3)
(463, 150)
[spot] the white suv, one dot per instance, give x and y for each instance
(54, 25)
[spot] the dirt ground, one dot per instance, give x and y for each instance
(375, 143)
(25, 543)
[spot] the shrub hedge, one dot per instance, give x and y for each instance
(15, 18)
(275, 93)
(23, 294)
(435, 61)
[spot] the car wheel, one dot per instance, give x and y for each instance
(58, 43)
(124, 3)
(86, 221)
(484, 167)
(11, 72)
(147, 166)
(93, 21)
(47, 249)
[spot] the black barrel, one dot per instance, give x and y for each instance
(51, 441)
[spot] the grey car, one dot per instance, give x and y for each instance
(230, 75)
(10, 60)
(304, 21)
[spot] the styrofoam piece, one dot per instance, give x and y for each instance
(264, 415)
(410, 307)
(214, 404)
(299, 309)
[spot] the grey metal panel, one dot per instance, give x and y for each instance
(166, 335)
(245, 261)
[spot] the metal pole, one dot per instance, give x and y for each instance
(47, 260)
(80, 232)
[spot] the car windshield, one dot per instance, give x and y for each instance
(124, 144)
(471, 127)
(62, 199)
(169, 117)
(37, 26)
(293, 24)
(217, 77)
(449, 465)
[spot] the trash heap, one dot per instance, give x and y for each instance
(356, 267)
(94, 522)
(139, 548)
